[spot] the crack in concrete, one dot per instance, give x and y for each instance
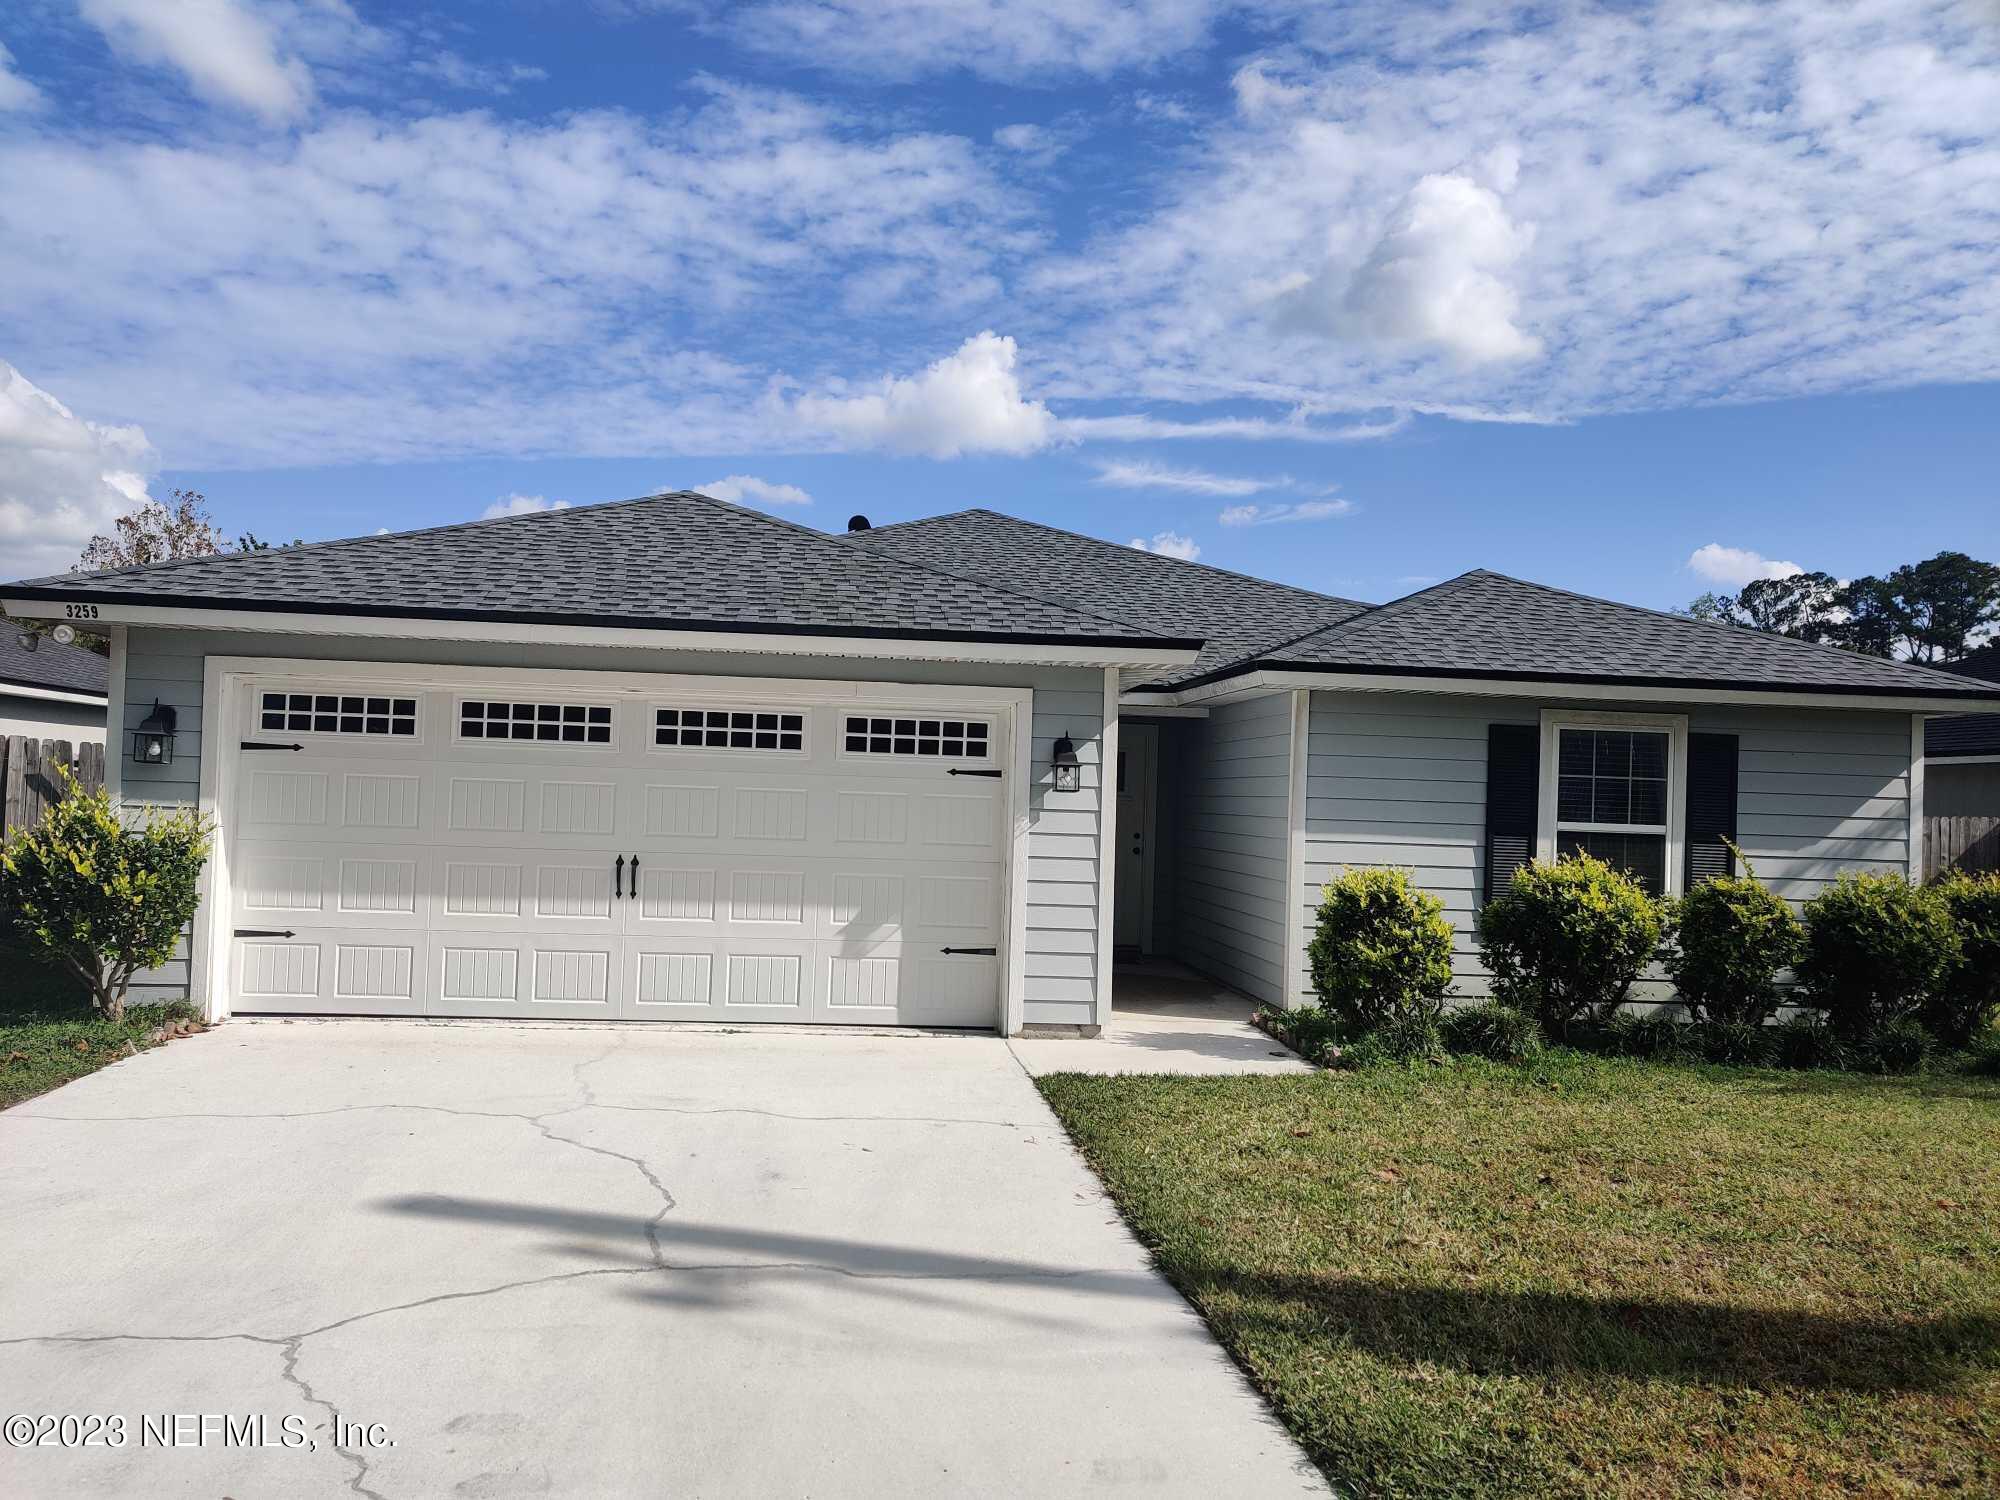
(587, 1099)
(358, 1482)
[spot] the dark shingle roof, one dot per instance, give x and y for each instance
(65, 669)
(666, 561)
(1235, 614)
(1968, 734)
(1483, 624)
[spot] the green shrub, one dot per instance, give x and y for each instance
(1877, 948)
(104, 900)
(1566, 940)
(1728, 940)
(1902, 1045)
(1406, 1039)
(1984, 1056)
(1380, 950)
(1308, 1030)
(1808, 1041)
(1654, 1035)
(1491, 1030)
(1742, 1044)
(1963, 1006)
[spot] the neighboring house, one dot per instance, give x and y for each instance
(672, 758)
(49, 691)
(1962, 768)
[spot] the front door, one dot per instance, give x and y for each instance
(1138, 769)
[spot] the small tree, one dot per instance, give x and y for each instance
(1730, 937)
(1380, 950)
(1566, 940)
(155, 532)
(1877, 948)
(1967, 999)
(100, 898)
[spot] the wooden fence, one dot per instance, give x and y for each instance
(28, 774)
(1968, 843)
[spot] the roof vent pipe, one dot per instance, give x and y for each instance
(857, 523)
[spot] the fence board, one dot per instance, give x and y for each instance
(28, 775)
(1962, 842)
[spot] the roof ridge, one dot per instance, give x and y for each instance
(293, 549)
(1666, 614)
(833, 539)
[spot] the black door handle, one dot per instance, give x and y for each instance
(635, 877)
(618, 891)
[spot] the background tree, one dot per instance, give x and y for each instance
(1805, 606)
(1934, 611)
(156, 532)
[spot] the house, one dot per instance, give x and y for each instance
(1962, 773)
(50, 690)
(673, 758)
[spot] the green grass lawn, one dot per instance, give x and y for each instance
(1586, 1276)
(45, 1015)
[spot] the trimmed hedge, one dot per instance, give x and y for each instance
(1565, 941)
(1877, 949)
(1380, 953)
(1728, 939)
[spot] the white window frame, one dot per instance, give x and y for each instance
(459, 737)
(1554, 721)
(256, 729)
(892, 758)
(651, 726)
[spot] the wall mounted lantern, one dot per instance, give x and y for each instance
(1069, 773)
(153, 740)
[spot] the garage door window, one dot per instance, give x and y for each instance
(953, 739)
(729, 729)
(337, 713)
(539, 723)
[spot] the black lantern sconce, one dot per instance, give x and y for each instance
(153, 740)
(1068, 771)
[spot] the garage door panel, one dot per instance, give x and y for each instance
(430, 874)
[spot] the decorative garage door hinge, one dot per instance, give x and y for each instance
(984, 952)
(968, 771)
(263, 745)
(262, 932)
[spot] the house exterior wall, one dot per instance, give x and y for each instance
(1399, 779)
(1060, 973)
(1231, 809)
(46, 719)
(1956, 790)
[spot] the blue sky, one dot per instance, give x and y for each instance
(1629, 299)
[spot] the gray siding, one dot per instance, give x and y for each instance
(1062, 842)
(1400, 780)
(46, 719)
(1232, 844)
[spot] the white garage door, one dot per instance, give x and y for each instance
(676, 854)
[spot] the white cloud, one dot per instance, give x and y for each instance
(993, 38)
(1152, 476)
(520, 505)
(1435, 277)
(229, 51)
(1168, 544)
(16, 93)
(967, 402)
(456, 72)
(1737, 566)
(740, 488)
(1304, 510)
(63, 479)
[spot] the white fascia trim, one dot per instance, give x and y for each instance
(513, 632)
(1107, 846)
(51, 695)
(1253, 683)
(1676, 726)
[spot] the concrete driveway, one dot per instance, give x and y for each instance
(573, 1261)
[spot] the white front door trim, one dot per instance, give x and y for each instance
(223, 679)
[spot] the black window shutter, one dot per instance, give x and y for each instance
(1711, 807)
(1513, 784)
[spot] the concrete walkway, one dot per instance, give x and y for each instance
(575, 1261)
(1167, 1019)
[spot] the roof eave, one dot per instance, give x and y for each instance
(287, 617)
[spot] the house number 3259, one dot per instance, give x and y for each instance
(80, 611)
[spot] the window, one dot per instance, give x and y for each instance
(337, 713)
(729, 729)
(540, 723)
(1611, 792)
(955, 739)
